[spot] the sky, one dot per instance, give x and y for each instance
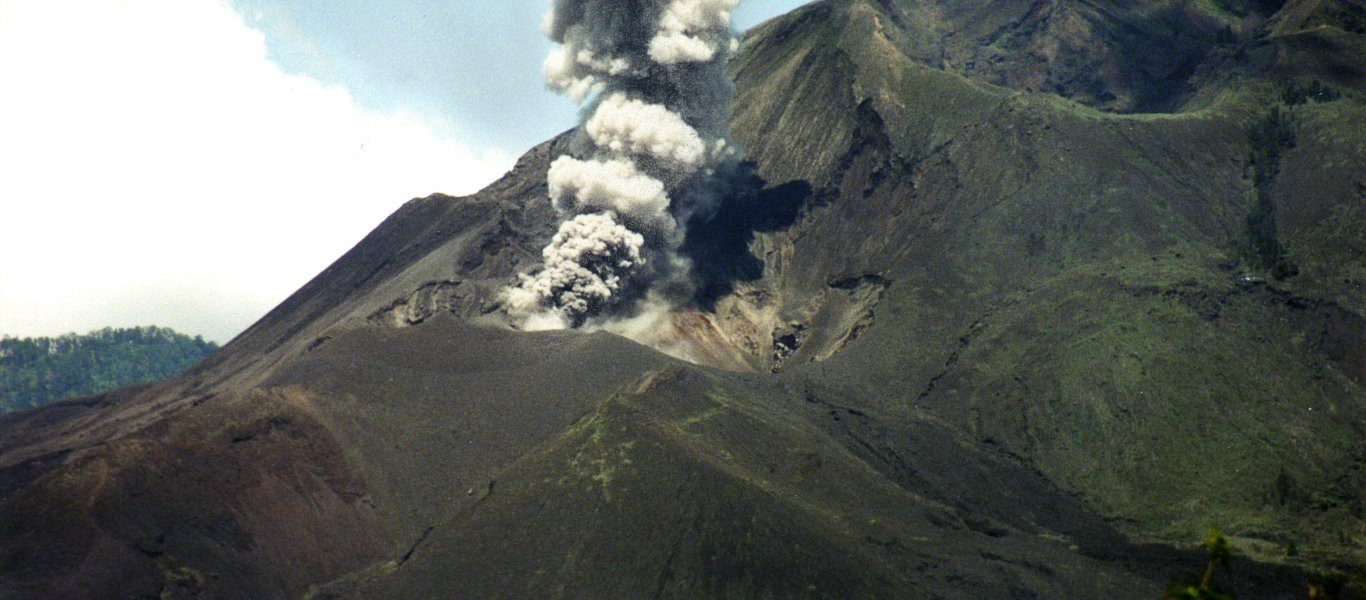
(191, 163)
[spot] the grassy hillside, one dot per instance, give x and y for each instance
(1161, 312)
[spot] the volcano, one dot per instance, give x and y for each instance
(1012, 299)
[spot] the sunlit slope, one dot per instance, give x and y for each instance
(1161, 312)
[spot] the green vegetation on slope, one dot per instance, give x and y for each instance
(1159, 312)
(36, 371)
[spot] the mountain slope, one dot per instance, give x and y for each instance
(1081, 289)
(984, 338)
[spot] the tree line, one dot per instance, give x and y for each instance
(36, 371)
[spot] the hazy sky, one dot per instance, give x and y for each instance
(190, 163)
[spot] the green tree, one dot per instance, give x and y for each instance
(36, 371)
(1220, 552)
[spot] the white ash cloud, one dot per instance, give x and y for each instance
(613, 185)
(655, 72)
(631, 127)
(687, 31)
(575, 73)
(586, 264)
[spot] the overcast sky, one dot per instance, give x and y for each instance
(190, 163)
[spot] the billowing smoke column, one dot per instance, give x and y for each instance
(654, 71)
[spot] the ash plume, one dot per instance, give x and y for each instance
(652, 73)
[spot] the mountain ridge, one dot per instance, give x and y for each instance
(1038, 334)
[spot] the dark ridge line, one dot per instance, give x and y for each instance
(409, 554)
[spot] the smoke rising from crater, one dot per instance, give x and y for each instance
(653, 73)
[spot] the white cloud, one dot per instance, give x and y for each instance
(156, 168)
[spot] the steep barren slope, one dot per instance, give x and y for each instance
(993, 342)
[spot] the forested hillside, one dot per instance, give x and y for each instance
(35, 371)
